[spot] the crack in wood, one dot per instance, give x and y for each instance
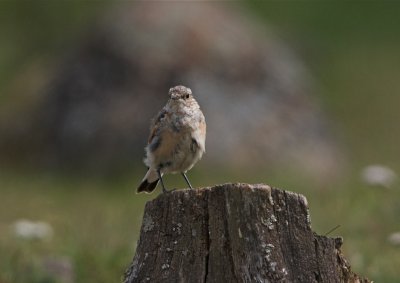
(207, 238)
(228, 236)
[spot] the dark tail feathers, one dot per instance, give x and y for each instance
(147, 187)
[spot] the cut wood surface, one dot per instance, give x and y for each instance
(234, 233)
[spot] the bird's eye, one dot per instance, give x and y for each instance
(186, 96)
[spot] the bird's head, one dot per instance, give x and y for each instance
(180, 93)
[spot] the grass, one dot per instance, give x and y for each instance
(96, 226)
(96, 223)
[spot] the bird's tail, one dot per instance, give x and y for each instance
(149, 182)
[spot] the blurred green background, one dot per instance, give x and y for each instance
(351, 50)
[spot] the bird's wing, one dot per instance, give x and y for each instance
(156, 125)
(163, 139)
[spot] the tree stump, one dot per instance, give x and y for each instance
(234, 233)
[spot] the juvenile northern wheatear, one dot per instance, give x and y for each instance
(177, 139)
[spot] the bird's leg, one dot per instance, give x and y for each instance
(186, 179)
(164, 190)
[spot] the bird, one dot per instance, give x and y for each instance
(177, 139)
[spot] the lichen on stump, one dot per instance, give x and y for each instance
(234, 233)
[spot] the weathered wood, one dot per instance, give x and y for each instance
(234, 233)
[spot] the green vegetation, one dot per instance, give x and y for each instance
(96, 223)
(37, 30)
(352, 49)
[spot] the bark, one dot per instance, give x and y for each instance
(234, 233)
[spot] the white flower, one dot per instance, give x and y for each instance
(27, 229)
(394, 238)
(378, 175)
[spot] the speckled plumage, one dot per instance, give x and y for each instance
(177, 138)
